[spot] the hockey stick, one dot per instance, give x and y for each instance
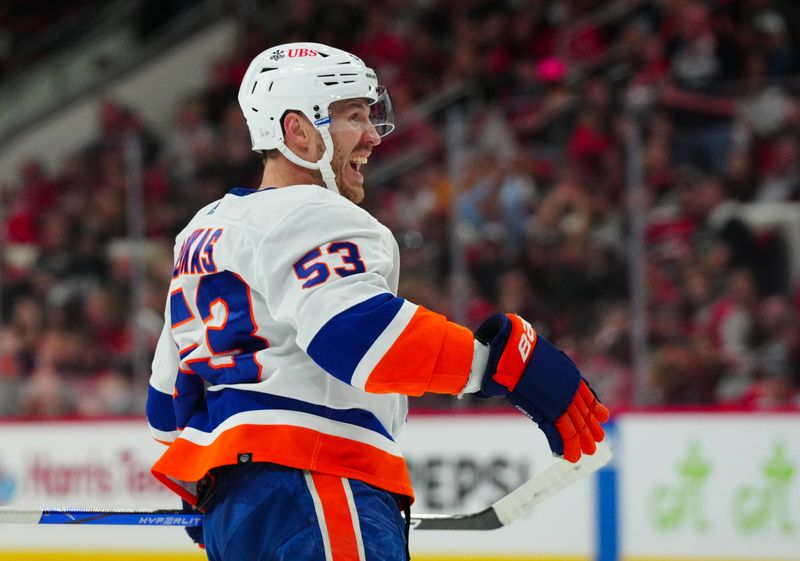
(501, 513)
(521, 500)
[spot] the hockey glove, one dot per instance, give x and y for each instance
(541, 381)
(194, 532)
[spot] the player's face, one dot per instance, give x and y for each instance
(353, 137)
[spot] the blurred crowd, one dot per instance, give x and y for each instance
(540, 204)
(33, 30)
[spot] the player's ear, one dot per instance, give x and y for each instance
(298, 131)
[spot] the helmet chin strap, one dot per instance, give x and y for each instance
(323, 164)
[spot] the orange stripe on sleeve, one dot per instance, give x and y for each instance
(338, 518)
(431, 355)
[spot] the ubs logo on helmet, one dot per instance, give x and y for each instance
(277, 55)
(293, 53)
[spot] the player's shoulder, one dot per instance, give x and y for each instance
(301, 206)
(197, 220)
(296, 209)
(315, 198)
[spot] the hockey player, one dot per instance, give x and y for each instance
(280, 378)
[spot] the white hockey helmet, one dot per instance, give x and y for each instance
(308, 77)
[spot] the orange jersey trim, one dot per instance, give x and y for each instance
(287, 445)
(431, 355)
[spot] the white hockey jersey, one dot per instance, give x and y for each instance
(284, 341)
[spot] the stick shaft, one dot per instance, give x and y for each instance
(115, 517)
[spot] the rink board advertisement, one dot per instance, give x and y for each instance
(459, 463)
(689, 487)
(709, 486)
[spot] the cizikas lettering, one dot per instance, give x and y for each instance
(301, 52)
(196, 256)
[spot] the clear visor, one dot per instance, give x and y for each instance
(377, 117)
(381, 113)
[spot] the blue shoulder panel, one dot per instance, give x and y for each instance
(342, 342)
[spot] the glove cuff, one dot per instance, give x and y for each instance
(493, 332)
(480, 357)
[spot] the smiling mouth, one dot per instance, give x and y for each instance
(358, 161)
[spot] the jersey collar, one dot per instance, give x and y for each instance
(244, 191)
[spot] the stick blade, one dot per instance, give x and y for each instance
(552, 480)
(520, 501)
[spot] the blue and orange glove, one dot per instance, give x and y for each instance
(540, 380)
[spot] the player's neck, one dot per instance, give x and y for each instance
(282, 173)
